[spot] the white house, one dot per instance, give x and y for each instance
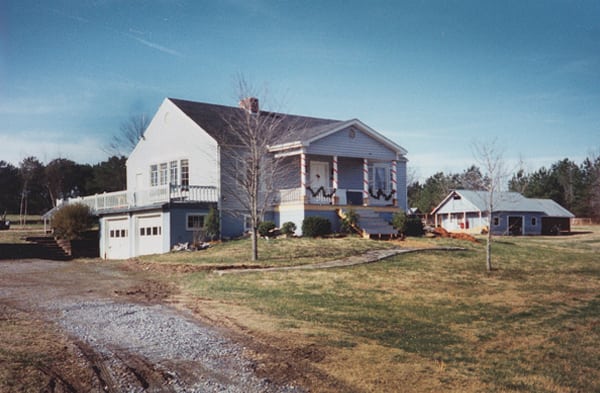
(175, 175)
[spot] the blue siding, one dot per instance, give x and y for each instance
(402, 185)
(178, 221)
(341, 144)
(350, 173)
(528, 228)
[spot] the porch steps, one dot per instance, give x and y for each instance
(371, 225)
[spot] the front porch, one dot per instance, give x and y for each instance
(342, 181)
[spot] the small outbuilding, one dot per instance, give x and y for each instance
(512, 214)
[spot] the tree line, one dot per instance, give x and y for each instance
(575, 187)
(33, 188)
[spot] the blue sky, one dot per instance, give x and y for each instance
(434, 76)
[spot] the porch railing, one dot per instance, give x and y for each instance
(146, 197)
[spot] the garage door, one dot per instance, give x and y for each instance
(116, 245)
(150, 234)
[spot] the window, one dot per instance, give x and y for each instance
(142, 231)
(247, 223)
(533, 221)
(153, 175)
(163, 173)
(379, 177)
(496, 221)
(173, 173)
(195, 221)
(185, 173)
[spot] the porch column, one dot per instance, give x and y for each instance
(335, 180)
(365, 182)
(394, 182)
(303, 176)
(465, 220)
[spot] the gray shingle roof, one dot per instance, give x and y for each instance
(212, 118)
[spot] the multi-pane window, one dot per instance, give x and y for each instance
(169, 173)
(185, 173)
(195, 221)
(173, 172)
(379, 177)
(163, 173)
(153, 175)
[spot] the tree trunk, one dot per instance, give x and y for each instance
(488, 250)
(255, 243)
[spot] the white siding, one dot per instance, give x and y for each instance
(172, 136)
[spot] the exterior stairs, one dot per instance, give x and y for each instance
(48, 248)
(370, 224)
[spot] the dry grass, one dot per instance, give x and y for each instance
(435, 321)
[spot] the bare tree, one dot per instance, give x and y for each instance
(490, 158)
(247, 162)
(130, 133)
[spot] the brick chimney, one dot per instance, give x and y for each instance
(250, 104)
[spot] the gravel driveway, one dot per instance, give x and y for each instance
(127, 343)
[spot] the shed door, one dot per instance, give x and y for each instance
(117, 239)
(515, 225)
(150, 234)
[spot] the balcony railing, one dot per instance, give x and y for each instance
(146, 197)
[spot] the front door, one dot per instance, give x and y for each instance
(319, 182)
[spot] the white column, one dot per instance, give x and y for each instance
(335, 180)
(365, 182)
(394, 182)
(303, 176)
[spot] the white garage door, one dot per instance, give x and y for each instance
(150, 234)
(117, 238)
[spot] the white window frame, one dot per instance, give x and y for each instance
(153, 175)
(185, 174)
(173, 172)
(187, 221)
(387, 177)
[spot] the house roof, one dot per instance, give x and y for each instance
(508, 201)
(302, 129)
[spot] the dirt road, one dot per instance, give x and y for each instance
(81, 327)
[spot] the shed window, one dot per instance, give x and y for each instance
(533, 221)
(496, 221)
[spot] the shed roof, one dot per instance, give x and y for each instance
(509, 201)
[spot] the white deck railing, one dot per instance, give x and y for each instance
(147, 197)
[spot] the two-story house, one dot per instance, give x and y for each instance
(176, 174)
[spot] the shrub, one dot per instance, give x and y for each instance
(71, 221)
(265, 228)
(408, 225)
(316, 226)
(348, 223)
(288, 228)
(212, 224)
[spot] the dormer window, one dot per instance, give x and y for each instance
(153, 175)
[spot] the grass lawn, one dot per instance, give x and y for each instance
(424, 322)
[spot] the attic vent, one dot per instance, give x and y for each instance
(456, 197)
(250, 104)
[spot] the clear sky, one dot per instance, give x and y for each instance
(434, 76)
